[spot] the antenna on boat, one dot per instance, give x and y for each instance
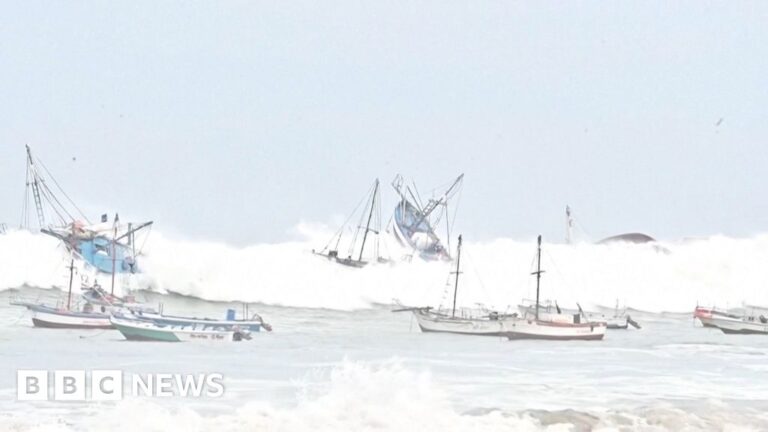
(538, 273)
(114, 253)
(457, 273)
(71, 273)
(370, 215)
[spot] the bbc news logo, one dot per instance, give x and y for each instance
(110, 385)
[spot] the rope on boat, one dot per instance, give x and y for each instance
(92, 335)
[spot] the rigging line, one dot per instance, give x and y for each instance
(47, 194)
(63, 192)
(362, 218)
(341, 229)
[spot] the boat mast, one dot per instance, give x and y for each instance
(71, 272)
(538, 273)
(457, 272)
(114, 254)
(370, 215)
(568, 224)
(35, 188)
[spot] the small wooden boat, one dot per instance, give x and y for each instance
(536, 324)
(66, 317)
(477, 323)
(705, 315)
(139, 330)
(753, 320)
(63, 318)
(490, 324)
(253, 324)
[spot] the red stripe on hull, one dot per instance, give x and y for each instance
(45, 324)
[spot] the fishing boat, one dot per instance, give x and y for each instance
(467, 322)
(617, 319)
(140, 330)
(67, 317)
(371, 214)
(106, 247)
(253, 324)
(534, 323)
(753, 321)
(705, 315)
(414, 222)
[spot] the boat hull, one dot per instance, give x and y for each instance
(136, 330)
(204, 323)
(729, 325)
(521, 328)
(46, 317)
(434, 323)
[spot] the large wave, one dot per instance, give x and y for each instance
(717, 270)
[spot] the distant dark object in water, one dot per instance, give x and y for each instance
(628, 238)
(636, 238)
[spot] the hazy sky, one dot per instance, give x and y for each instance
(236, 120)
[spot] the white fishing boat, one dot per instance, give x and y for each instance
(537, 324)
(139, 330)
(467, 322)
(617, 319)
(66, 316)
(252, 323)
(753, 321)
(370, 222)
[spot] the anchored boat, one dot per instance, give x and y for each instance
(754, 321)
(414, 223)
(371, 214)
(478, 323)
(538, 324)
(253, 324)
(141, 330)
(67, 317)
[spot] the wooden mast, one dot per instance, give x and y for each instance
(71, 272)
(456, 283)
(370, 215)
(114, 255)
(538, 273)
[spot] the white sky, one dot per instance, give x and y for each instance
(236, 120)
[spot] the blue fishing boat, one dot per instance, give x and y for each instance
(107, 246)
(414, 223)
(254, 323)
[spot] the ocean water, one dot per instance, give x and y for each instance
(339, 359)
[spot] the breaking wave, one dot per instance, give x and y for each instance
(355, 396)
(718, 270)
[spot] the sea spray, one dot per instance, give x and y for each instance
(715, 271)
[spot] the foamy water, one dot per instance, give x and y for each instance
(719, 270)
(339, 360)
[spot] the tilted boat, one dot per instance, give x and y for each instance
(371, 214)
(414, 223)
(537, 324)
(66, 317)
(141, 330)
(107, 247)
(467, 322)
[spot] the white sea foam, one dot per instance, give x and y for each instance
(386, 396)
(719, 270)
